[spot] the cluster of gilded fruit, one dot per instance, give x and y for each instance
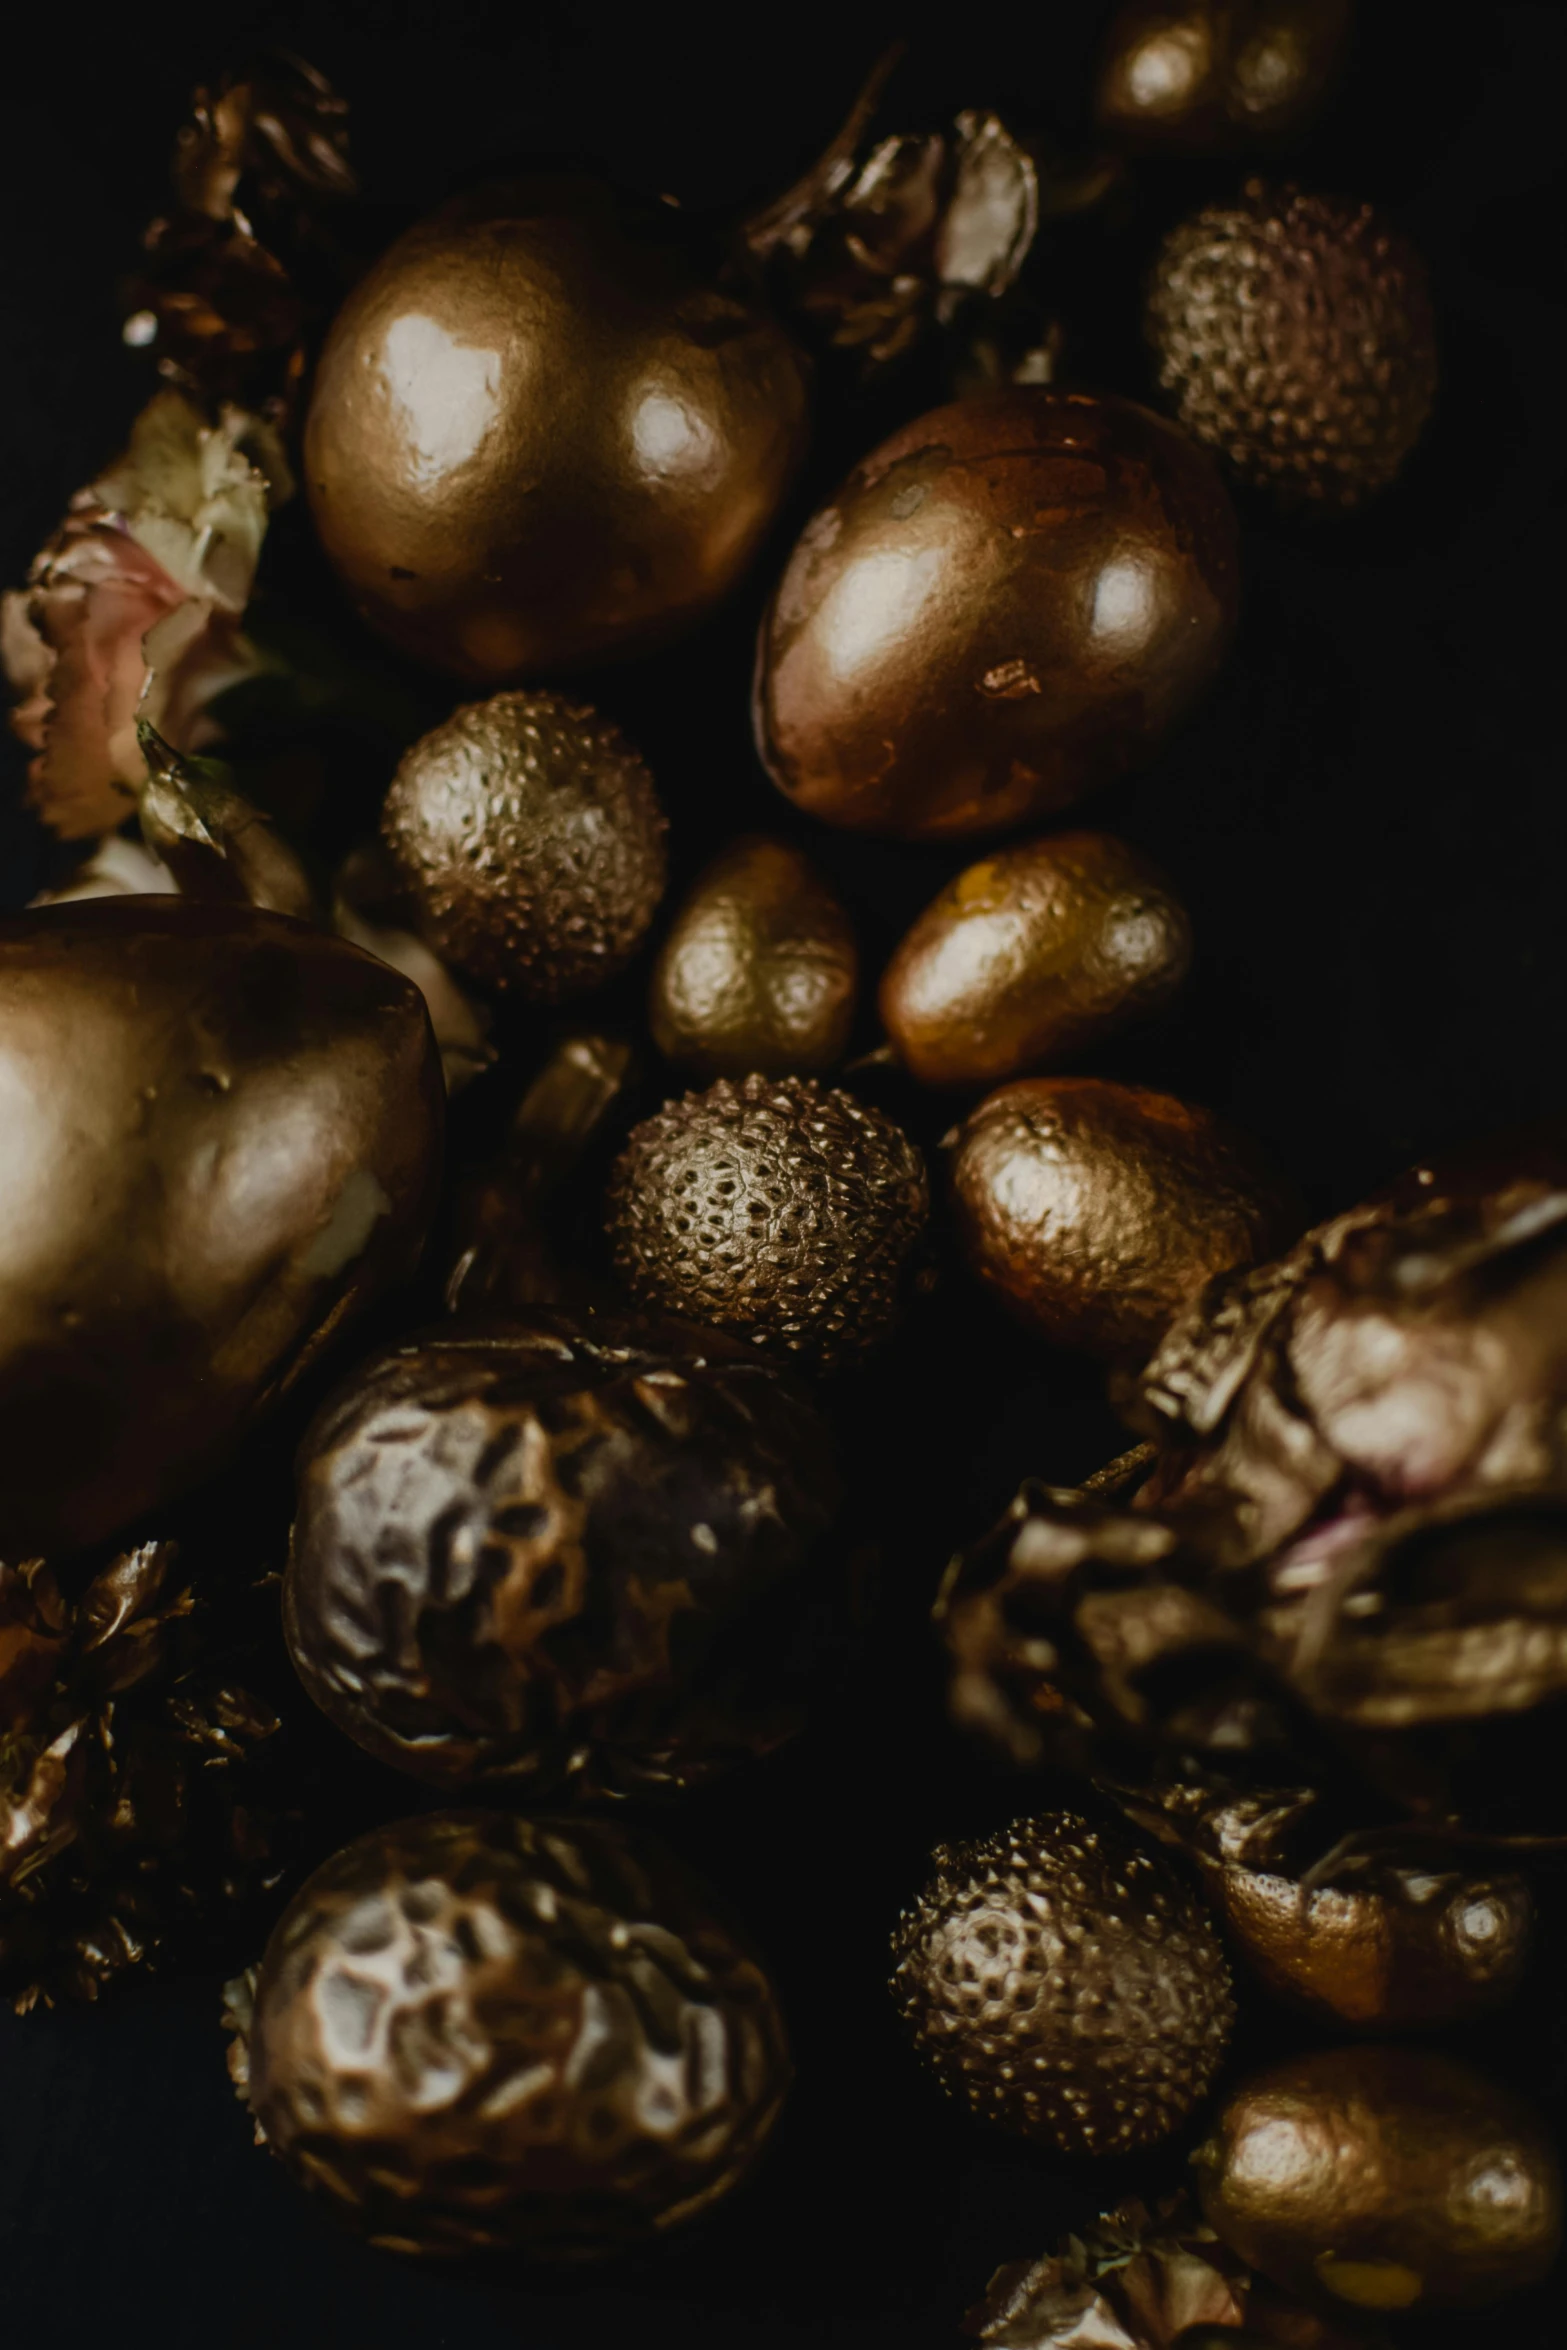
(570, 1543)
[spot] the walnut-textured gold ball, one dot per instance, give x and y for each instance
(529, 836)
(541, 433)
(1032, 956)
(759, 971)
(786, 1214)
(1209, 76)
(1063, 1981)
(1383, 2179)
(1012, 600)
(1095, 1210)
(473, 2030)
(1294, 336)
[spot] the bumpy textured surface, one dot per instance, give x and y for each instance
(530, 837)
(1062, 1981)
(472, 2030)
(1294, 335)
(539, 1552)
(784, 1214)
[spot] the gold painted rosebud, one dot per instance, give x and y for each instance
(759, 971)
(1383, 2179)
(1032, 956)
(530, 839)
(541, 433)
(1012, 600)
(1094, 1210)
(220, 1137)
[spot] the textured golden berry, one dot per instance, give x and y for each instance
(1064, 1982)
(775, 1210)
(1294, 336)
(527, 832)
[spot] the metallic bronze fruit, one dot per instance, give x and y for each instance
(788, 1216)
(1031, 956)
(759, 971)
(1064, 1982)
(1208, 76)
(531, 842)
(1094, 1211)
(1383, 2179)
(1294, 337)
(541, 433)
(473, 2030)
(1012, 600)
(220, 1136)
(551, 1550)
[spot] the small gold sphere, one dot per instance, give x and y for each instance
(528, 833)
(759, 971)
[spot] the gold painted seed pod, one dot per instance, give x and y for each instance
(759, 971)
(1031, 956)
(540, 435)
(1383, 2179)
(1094, 1210)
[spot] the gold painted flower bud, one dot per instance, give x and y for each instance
(1031, 956)
(1383, 2179)
(1095, 1210)
(759, 971)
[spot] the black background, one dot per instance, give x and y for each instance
(1367, 820)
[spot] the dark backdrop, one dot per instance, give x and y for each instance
(1367, 820)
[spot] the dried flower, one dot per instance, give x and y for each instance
(869, 248)
(1136, 2280)
(236, 273)
(124, 1807)
(133, 609)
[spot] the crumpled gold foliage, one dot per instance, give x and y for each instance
(133, 608)
(876, 242)
(1346, 1567)
(232, 276)
(1136, 2280)
(120, 1808)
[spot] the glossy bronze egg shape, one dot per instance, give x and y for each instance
(788, 1215)
(1383, 2179)
(220, 1138)
(530, 839)
(531, 1552)
(1421, 1949)
(539, 435)
(1014, 599)
(1032, 956)
(1209, 76)
(1294, 337)
(1094, 1210)
(759, 970)
(1065, 1983)
(472, 2030)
